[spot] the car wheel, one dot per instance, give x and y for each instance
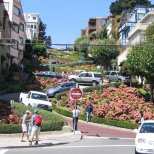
(20, 100)
(108, 80)
(136, 152)
(94, 83)
(73, 80)
(119, 80)
(55, 94)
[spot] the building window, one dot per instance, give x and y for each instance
(34, 26)
(15, 27)
(21, 27)
(15, 44)
(21, 41)
(31, 26)
(34, 18)
(6, 4)
(16, 11)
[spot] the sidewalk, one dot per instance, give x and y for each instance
(45, 139)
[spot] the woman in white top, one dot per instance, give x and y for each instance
(76, 113)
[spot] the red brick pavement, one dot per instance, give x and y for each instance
(91, 129)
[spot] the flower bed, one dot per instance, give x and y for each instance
(123, 103)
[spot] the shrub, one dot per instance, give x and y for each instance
(122, 124)
(51, 120)
(144, 93)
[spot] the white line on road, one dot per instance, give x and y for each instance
(88, 146)
(96, 137)
(3, 151)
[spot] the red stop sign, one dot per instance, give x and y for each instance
(75, 93)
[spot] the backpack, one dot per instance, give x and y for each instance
(38, 120)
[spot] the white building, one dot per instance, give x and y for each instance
(137, 33)
(18, 34)
(32, 25)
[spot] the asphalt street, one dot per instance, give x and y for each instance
(89, 145)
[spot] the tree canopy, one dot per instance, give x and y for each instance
(103, 51)
(118, 6)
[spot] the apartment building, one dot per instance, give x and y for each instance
(5, 32)
(141, 18)
(94, 24)
(32, 25)
(18, 34)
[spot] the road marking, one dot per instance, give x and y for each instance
(96, 137)
(87, 146)
(3, 151)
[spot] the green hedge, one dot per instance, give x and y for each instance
(52, 121)
(122, 124)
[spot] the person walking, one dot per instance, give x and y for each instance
(36, 124)
(24, 125)
(142, 118)
(76, 113)
(88, 112)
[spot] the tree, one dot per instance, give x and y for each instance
(140, 62)
(42, 38)
(81, 45)
(39, 50)
(118, 6)
(101, 34)
(28, 50)
(42, 34)
(149, 33)
(103, 51)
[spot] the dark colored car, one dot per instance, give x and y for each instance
(60, 87)
(49, 74)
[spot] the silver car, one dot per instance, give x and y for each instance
(92, 78)
(114, 76)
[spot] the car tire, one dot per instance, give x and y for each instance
(73, 80)
(55, 94)
(94, 83)
(136, 152)
(119, 80)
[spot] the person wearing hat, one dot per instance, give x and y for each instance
(24, 125)
(35, 127)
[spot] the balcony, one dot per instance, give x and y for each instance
(126, 25)
(138, 27)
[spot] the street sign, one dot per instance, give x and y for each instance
(75, 93)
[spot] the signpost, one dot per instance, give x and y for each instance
(75, 94)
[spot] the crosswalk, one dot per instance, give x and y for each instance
(3, 151)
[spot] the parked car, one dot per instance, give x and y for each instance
(114, 76)
(36, 99)
(52, 63)
(92, 78)
(49, 74)
(144, 141)
(60, 87)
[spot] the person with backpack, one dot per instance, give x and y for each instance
(36, 122)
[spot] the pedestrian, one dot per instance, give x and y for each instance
(24, 125)
(88, 112)
(30, 125)
(142, 118)
(36, 124)
(76, 113)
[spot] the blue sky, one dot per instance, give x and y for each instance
(66, 18)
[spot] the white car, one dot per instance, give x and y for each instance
(144, 141)
(36, 99)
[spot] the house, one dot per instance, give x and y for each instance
(32, 25)
(18, 34)
(5, 32)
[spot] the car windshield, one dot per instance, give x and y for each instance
(39, 97)
(147, 128)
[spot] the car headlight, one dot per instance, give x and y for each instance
(141, 140)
